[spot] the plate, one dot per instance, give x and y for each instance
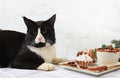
(110, 69)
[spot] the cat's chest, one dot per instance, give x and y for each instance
(47, 53)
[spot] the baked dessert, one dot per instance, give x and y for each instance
(91, 53)
(107, 56)
(84, 60)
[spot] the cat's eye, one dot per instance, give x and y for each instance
(34, 33)
(44, 31)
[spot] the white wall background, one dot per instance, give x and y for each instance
(80, 23)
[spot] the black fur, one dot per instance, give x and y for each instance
(10, 44)
(13, 45)
(26, 59)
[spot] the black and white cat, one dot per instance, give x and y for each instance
(34, 50)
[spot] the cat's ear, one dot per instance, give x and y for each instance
(51, 20)
(29, 23)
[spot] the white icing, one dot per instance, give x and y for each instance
(84, 57)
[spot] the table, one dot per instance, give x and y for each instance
(59, 72)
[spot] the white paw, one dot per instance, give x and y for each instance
(46, 67)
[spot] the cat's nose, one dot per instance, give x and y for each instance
(39, 38)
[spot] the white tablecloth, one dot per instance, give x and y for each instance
(57, 73)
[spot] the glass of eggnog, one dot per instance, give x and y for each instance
(107, 56)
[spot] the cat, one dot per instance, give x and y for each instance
(34, 50)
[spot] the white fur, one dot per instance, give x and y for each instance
(46, 67)
(39, 35)
(47, 52)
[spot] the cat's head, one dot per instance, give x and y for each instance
(40, 33)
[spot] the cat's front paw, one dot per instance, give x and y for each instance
(46, 67)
